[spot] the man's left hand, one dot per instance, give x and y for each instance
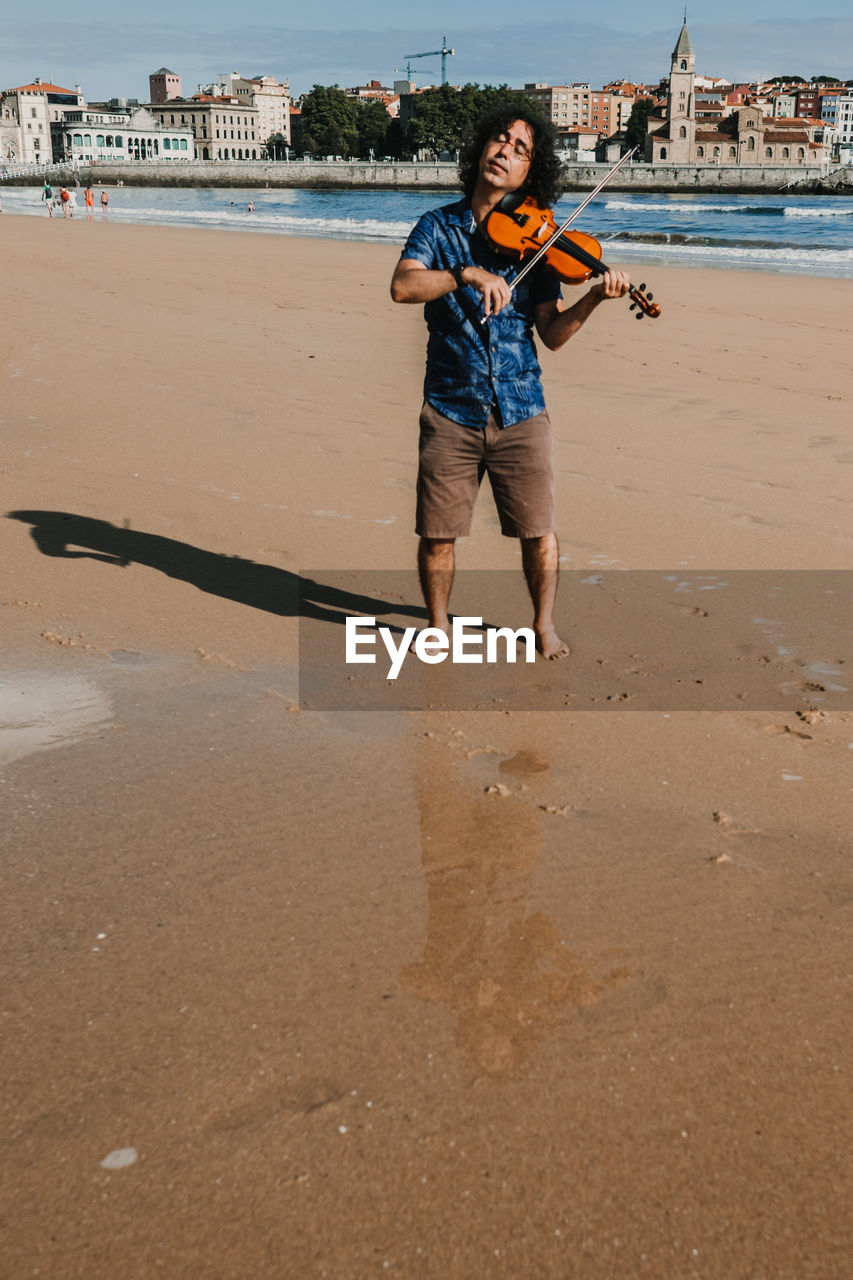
(613, 284)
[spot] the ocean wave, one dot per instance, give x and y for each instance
(683, 206)
(760, 257)
(240, 220)
(696, 238)
(830, 211)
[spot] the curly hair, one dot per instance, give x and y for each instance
(545, 176)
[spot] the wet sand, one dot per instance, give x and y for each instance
(439, 993)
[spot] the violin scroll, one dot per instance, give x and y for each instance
(643, 303)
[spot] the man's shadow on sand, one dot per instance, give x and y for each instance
(260, 586)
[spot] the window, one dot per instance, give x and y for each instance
(88, 139)
(700, 152)
(750, 146)
(167, 146)
(78, 140)
(663, 153)
(183, 144)
(682, 132)
(119, 142)
(733, 151)
(786, 153)
(768, 153)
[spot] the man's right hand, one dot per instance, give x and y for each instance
(495, 291)
(413, 282)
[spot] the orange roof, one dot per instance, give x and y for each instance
(41, 87)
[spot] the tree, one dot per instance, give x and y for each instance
(443, 117)
(329, 122)
(373, 124)
(638, 126)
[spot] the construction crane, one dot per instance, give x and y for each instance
(443, 52)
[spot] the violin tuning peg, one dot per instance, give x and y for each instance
(639, 315)
(649, 297)
(642, 288)
(633, 306)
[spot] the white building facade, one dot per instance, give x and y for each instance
(91, 135)
(27, 115)
(268, 96)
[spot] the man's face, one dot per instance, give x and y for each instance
(505, 162)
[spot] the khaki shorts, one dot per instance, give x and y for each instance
(453, 460)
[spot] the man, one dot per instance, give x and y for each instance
(484, 409)
(47, 197)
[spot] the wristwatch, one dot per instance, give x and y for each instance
(456, 272)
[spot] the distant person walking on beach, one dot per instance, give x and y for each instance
(250, 207)
(89, 197)
(71, 206)
(105, 202)
(47, 197)
(63, 196)
(484, 409)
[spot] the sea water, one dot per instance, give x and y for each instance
(804, 235)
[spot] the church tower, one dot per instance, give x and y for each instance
(681, 102)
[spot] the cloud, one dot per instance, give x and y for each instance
(109, 59)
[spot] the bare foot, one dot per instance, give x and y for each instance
(444, 628)
(549, 644)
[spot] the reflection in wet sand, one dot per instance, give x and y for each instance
(38, 710)
(506, 973)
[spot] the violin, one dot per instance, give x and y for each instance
(517, 226)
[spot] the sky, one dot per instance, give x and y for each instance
(110, 51)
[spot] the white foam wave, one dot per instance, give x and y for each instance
(828, 262)
(672, 206)
(288, 224)
(823, 212)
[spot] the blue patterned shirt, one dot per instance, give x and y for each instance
(469, 366)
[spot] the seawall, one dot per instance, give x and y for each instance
(401, 175)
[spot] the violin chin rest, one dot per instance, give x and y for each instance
(510, 202)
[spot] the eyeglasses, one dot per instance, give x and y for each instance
(520, 149)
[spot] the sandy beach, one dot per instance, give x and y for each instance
(439, 994)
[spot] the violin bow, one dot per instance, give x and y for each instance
(574, 214)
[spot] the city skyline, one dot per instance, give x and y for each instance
(111, 58)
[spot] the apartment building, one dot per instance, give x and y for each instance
(268, 96)
(26, 116)
(223, 128)
(578, 107)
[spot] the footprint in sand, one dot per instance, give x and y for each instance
(785, 729)
(524, 763)
(730, 827)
